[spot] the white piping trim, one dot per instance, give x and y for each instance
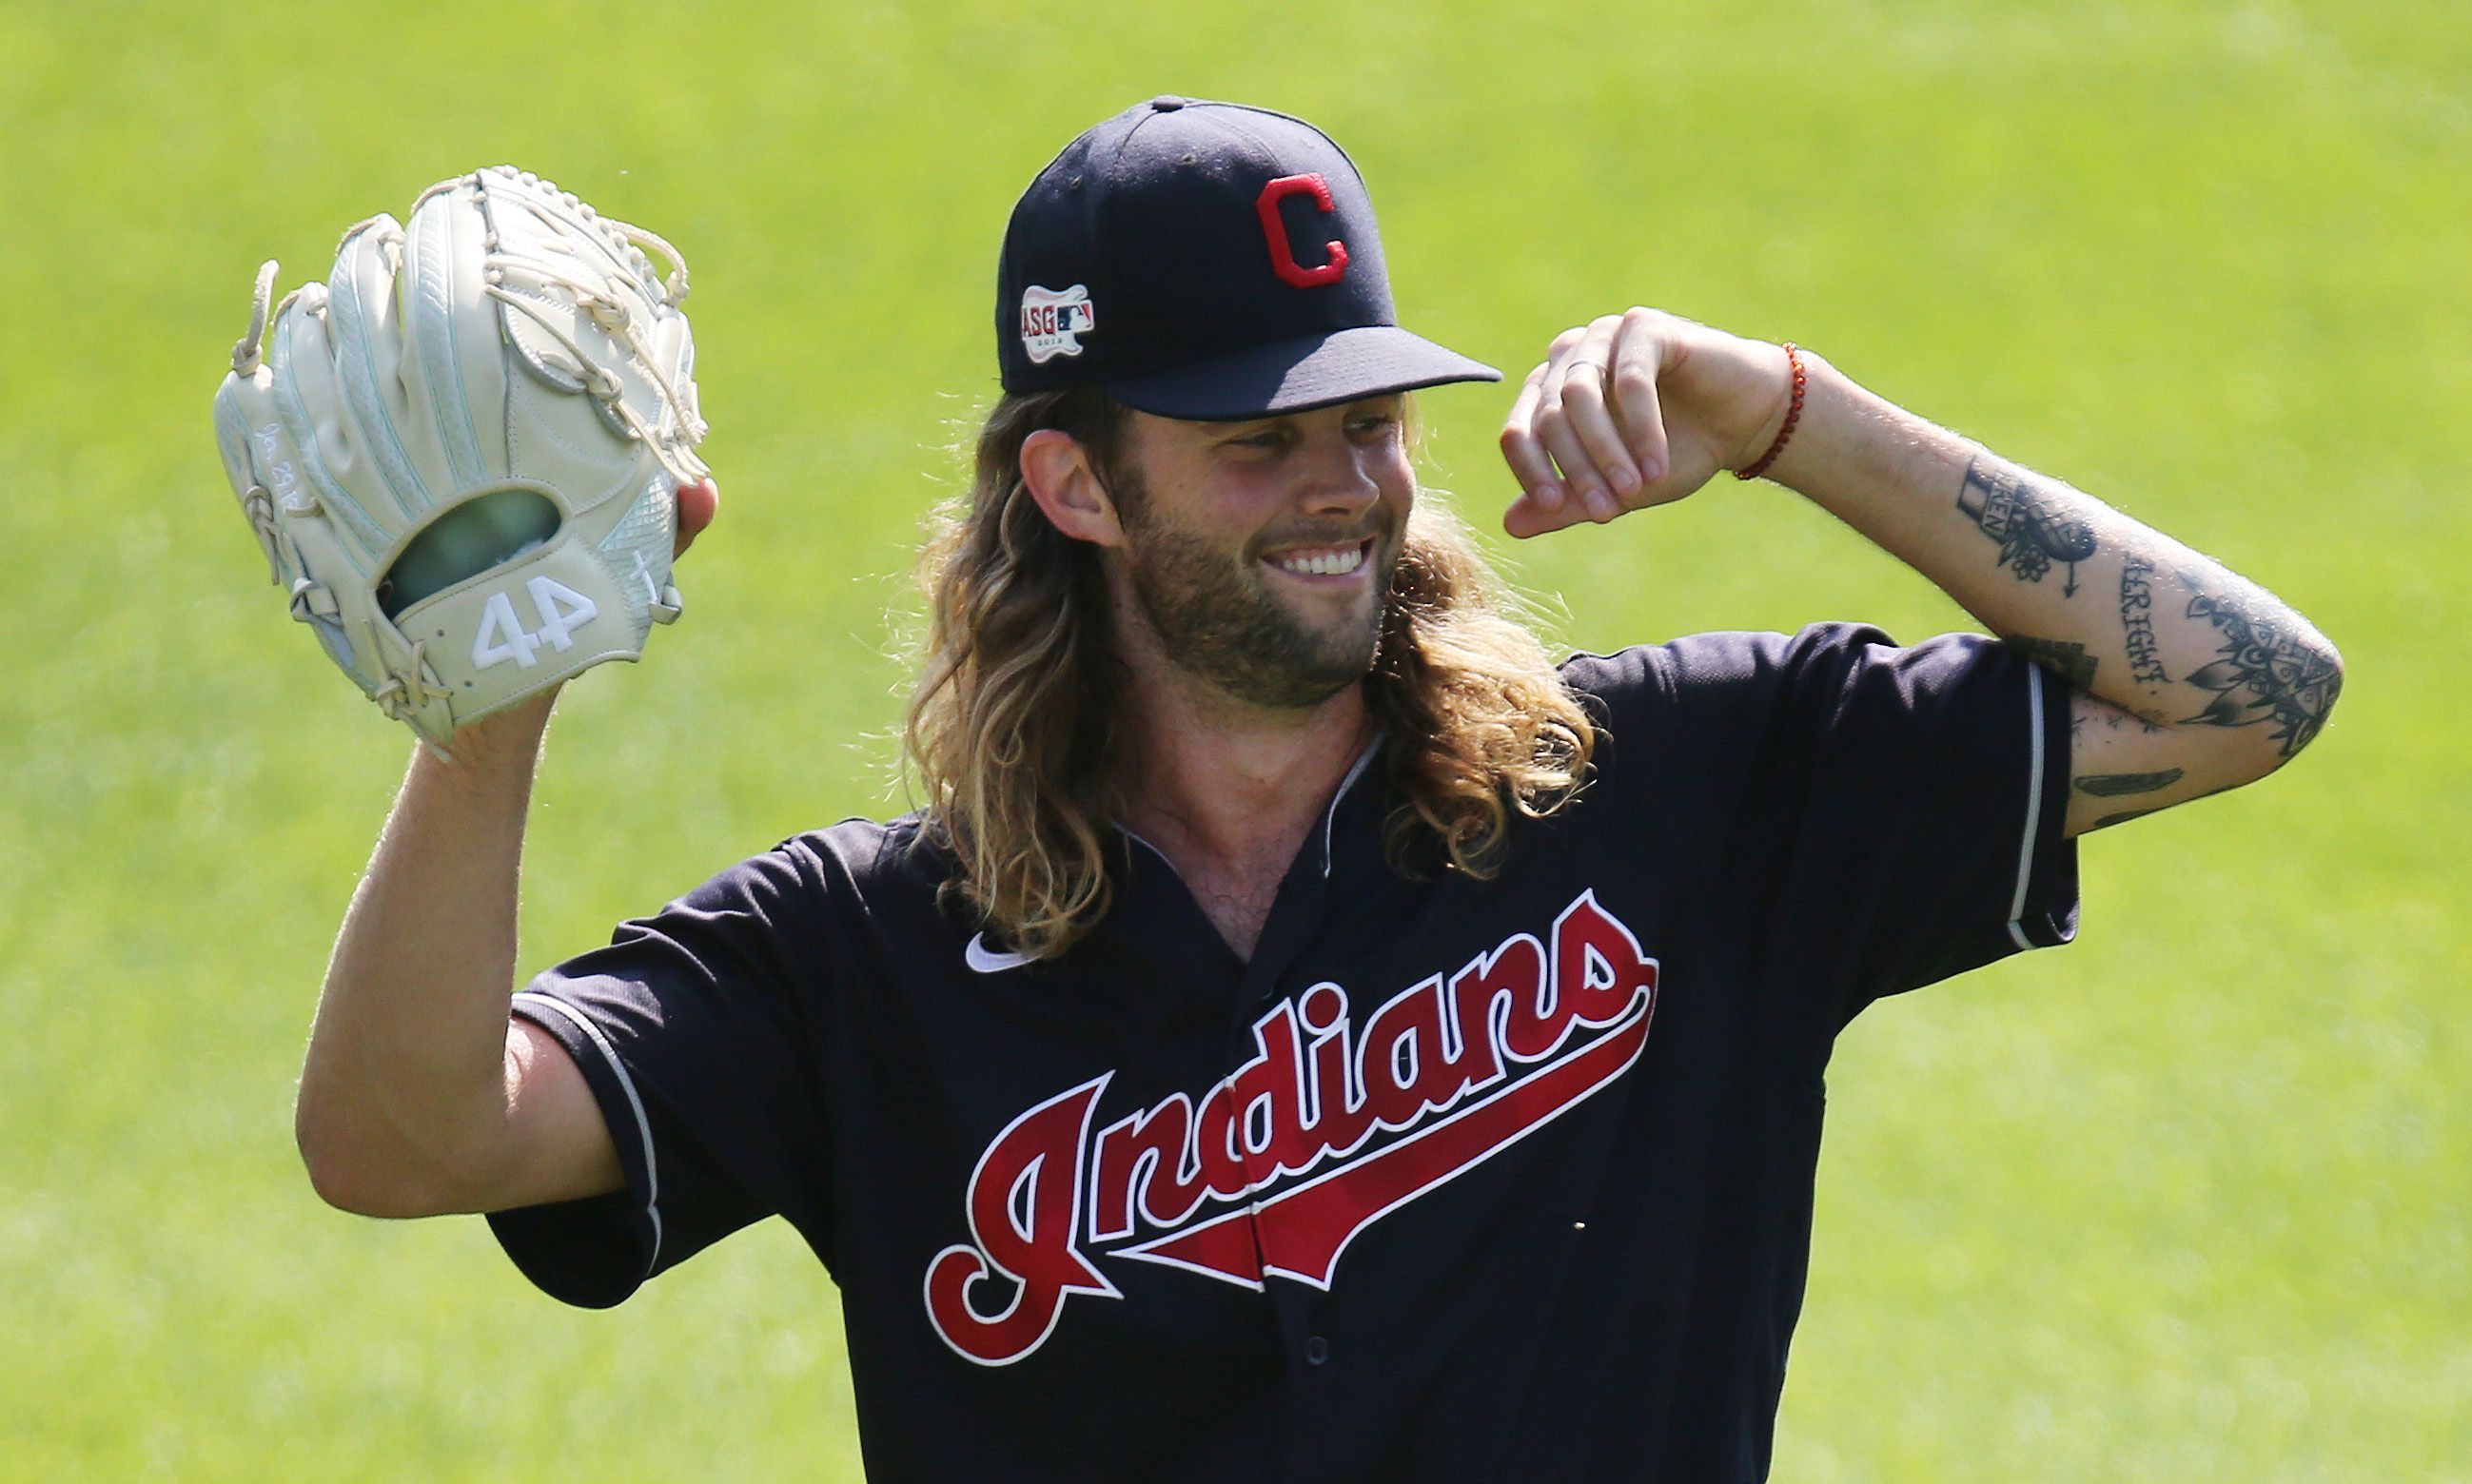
(634, 1105)
(1153, 849)
(2033, 806)
(1330, 815)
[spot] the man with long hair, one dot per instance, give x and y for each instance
(1305, 1032)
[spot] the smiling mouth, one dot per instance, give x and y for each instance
(1324, 561)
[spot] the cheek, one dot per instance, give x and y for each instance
(1397, 479)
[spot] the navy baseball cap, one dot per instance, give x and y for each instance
(1205, 261)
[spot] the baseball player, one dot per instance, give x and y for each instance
(1306, 1034)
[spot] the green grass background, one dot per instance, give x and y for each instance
(2186, 1201)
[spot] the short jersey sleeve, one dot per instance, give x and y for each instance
(696, 1030)
(1885, 816)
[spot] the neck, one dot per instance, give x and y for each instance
(1217, 783)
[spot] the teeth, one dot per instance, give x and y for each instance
(1329, 565)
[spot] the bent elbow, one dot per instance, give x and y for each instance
(2282, 718)
(337, 1186)
(2334, 678)
(349, 1177)
(2310, 700)
(333, 1173)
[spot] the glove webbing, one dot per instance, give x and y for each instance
(606, 389)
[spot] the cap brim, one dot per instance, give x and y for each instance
(1296, 375)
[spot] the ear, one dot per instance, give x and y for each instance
(1056, 469)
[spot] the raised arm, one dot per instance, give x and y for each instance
(421, 1094)
(2189, 678)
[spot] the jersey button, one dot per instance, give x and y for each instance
(1316, 1349)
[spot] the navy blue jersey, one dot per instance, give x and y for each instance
(1453, 1180)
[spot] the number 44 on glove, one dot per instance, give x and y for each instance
(461, 453)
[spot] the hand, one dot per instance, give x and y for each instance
(1635, 410)
(513, 735)
(698, 504)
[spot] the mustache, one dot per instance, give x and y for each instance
(1378, 532)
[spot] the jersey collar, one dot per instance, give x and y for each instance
(1323, 836)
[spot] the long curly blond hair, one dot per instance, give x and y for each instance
(1011, 736)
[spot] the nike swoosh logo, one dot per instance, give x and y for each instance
(987, 960)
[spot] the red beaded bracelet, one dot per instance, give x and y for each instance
(1793, 416)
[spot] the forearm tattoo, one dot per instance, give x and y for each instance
(2068, 661)
(2263, 674)
(2137, 619)
(2031, 529)
(2114, 785)
(2112, 719)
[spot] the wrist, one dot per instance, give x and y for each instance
(1835, 439)
(1776, 432)
(505, 742)
(1868, 460)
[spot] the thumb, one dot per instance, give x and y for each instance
(1525, 517)
(698, 504)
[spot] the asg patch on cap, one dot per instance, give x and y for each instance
(1051, 318)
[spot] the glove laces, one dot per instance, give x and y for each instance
(607, 302)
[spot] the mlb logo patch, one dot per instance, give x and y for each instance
(1051, 318)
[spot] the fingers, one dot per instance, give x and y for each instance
(698, 504)
(1640, 348)
(1575, 425)
(1584, 438)
(1589, 440)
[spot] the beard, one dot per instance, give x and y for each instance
(1220, 620)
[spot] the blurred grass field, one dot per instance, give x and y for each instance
(2189, 1200)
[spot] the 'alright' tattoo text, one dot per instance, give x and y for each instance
(2137, 619)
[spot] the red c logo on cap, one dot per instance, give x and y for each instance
(1274, 231)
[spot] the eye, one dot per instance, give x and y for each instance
(1372, 425)
(1268, 440)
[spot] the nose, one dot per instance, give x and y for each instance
(1342, 480)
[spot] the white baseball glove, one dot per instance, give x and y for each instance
(461, 453)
